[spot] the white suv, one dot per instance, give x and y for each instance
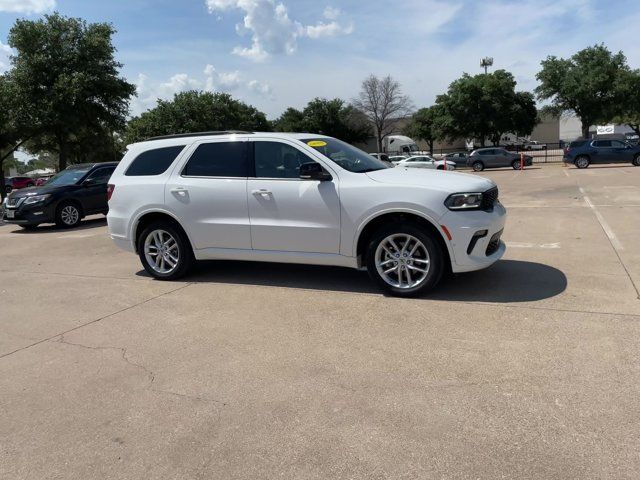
(299, 198)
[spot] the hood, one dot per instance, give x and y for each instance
(41, 190)
(448, 182)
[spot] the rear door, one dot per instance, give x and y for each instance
(207, 192)
(601, 151)
(620, 152)
(288, 213)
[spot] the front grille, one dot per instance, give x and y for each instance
(494, 244)
(489, 198)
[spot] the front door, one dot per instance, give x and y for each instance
(286, 212)
(208, 193)
(93, 193)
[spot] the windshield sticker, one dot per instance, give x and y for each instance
(317, 143)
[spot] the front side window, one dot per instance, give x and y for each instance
(101, 175)
(602, 143)
(220, 159)
(153, 162)
(618, 144)
(278, 160)
(346, 156)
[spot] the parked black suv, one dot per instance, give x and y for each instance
(72, 194)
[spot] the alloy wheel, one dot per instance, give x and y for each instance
(70, 215)
(402, 261)
(161, 251)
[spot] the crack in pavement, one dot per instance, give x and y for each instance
(94, 321)
(149, 373)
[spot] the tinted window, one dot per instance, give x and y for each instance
(220, 159)
(577, 144)
(618, 144)
(278, 160)
(602, 143)
(101, 175)
(153, 162)
(485, 152)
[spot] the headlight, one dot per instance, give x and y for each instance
(464, 201)
(35, 199)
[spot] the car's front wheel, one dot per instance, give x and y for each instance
(636, 160)
(405, 260)
(165, 251)
(68, 215)
(477, 166)
(582, 162)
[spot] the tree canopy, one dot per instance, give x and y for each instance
(196, 111)
(424, 125)
(66, 74)
(328, 117)
(592, 84)
(485, 106)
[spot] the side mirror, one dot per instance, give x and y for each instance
(314, 171)
(87, 183)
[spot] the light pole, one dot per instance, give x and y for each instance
(486, 62)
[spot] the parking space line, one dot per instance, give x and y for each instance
(533, 245)
(603, 223)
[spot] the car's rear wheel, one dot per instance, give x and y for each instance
(404, 260)
(477, 166)
(164, 251)
(516, 164)
(636, 160)
(582, 161)
(68, 215)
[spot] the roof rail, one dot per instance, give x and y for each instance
(197, 134)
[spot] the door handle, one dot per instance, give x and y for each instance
(180, 191)
(263, 191)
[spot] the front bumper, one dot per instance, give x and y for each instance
(473, 250)
(29, 214)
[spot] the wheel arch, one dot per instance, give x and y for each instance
(147, 218)
(373, 224)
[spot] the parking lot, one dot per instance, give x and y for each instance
(529, 369)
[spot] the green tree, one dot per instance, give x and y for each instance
(591, 84)
(630, 108)
(327, 117)
(485, 106)
(424, 125)
(66, 71)
(195, 111)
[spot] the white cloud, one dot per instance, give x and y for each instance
(272, 31)
(332, 13)
(27, 6)
(5, 52)
(149, 92)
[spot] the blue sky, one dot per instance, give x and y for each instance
(275, 54)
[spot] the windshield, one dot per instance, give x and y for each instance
(68, 177)
(348, 157)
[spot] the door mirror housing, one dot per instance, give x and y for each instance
(88, 182)
(314, 171)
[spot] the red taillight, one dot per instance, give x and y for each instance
(110, 189)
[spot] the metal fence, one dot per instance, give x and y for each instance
(546, 153)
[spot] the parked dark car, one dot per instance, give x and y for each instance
(459, 158)
(583, 153)
(482, 158)
(14, 183)
(72, 194)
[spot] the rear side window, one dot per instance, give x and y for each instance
(602, 143)
(220, 159)
(577, 144)
(153, 162)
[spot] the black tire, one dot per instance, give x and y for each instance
(516, 164)
(477, 166)
(68, 215)
(182, 251)
(439, 168)
(636, 160)
(582, 161)
(436, 257)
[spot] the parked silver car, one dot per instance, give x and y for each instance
(493, 157)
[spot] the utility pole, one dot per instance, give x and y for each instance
(485, 63)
